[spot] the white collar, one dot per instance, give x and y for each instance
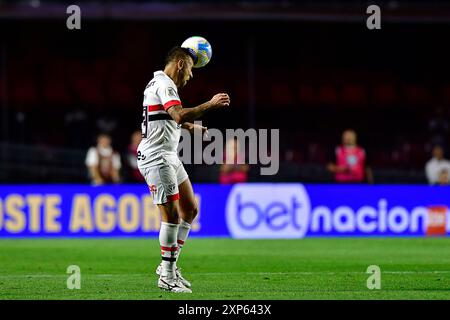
(160, 73)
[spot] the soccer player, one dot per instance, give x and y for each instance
(158, 159)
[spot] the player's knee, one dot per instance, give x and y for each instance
(169, 212)
(194, 212)
(173, 217)
(190, 214)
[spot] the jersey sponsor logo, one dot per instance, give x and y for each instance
(268, 211)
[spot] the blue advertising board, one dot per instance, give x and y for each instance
(253, 210)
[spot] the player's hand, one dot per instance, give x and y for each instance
(98, 181)
(196, 127)
(331, 167)
(193, 127)
(220, 100)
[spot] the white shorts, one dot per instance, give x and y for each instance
(163, 180)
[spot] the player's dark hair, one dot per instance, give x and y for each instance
(180, 53)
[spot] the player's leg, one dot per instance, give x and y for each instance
(168, 237)
(188, 207)
(188, 203)
(169, 279)
(162, 183)
(188, 210)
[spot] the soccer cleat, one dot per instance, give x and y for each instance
(185, 282)
(172, 285)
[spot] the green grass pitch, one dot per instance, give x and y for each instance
(411, 268)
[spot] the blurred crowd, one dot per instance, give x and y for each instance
(349, 164)
(104, 164)
(348, 110)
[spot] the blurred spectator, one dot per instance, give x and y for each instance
(436, 165)
(103, 162)
(443, 178)
(350, 161)
(135, 174)
(231, 171)
(438, 127)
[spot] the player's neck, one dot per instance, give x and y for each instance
(171, 73)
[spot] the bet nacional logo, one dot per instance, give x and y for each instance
(268, 211)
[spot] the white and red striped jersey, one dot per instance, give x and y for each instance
(160, 133)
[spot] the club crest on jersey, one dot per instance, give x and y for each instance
(171, 92)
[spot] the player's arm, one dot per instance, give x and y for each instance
(95, 174)
(115, 170)
(182, 115)
(192, 127)
(334, 168)
(115, 175)
(92, 165)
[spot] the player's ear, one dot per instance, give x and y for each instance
(180, 64)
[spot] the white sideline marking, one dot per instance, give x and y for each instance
(318, 272)
(225, 273)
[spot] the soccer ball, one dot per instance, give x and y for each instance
(202, 49)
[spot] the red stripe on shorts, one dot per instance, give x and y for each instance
(173, 197)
